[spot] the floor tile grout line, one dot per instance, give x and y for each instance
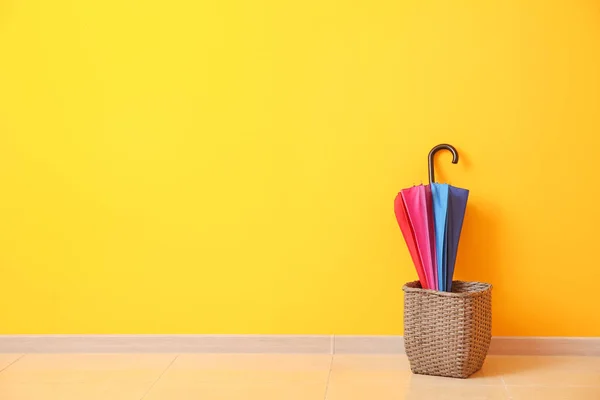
(328, 377)
(12, 363)
(506, 391)
(159, 377)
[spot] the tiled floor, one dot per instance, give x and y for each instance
(286, 377)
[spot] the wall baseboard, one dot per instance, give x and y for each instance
(545, 346)
(307, 344)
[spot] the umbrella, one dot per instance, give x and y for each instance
(430, 218)
(449, 205)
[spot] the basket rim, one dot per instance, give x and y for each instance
(486, 287)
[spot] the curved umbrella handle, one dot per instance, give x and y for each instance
(435, 150)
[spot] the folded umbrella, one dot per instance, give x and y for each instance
(431, 218)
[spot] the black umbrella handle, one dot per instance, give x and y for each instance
(432, 154)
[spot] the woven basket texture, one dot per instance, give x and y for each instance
(447, 333)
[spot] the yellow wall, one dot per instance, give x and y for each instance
(231, 166)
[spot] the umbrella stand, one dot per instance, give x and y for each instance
(447, 325)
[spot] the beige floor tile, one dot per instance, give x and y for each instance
(548, 371)
(524, 363)
(125, 390)
(367, 389)
(553, 393)
(95, 369)
(270, 376)
(200, 376)
(351, 379)
(82, 376)
(247, 368)
(369, 378)
(78, 377)
(456, 393)
(8, 359)
(253, 362)
(554, 378)
(93, 362)
(361, 362)
(382, 389)
(242, 390)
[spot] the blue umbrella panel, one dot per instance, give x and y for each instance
(449, 205)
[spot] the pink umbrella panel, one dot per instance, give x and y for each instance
(409, 238)
(419, 211)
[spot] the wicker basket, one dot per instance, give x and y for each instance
(447, 333)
